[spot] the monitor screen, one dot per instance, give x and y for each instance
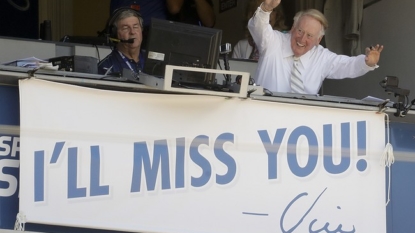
(179, 44)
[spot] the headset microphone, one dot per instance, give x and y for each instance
(129, 41)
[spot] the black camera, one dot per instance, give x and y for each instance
(390, 84)
(225, 48)
(390, 81)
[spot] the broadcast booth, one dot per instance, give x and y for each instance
(179, 149)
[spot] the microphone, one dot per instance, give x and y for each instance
(129, 41)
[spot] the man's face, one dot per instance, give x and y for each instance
(129, 28)
(305, 35)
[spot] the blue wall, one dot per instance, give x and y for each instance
(401, 209)
(9, 105)
(19, 18)
(9, 116)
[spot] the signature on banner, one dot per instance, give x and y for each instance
(311, 226)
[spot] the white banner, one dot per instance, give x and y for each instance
(184, 163)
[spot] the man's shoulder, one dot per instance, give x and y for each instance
(108, 61)
(283, 36)
(242, 42)
(321, 53)
(109, 57)
(319, 49)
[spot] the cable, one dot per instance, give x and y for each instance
(408, 106)
(20, 8)
(154, 67)
(96, 47)
(388, 158)
(220, 66)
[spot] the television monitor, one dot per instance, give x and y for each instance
(180, 44)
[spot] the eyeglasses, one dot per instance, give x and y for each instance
(301, 32)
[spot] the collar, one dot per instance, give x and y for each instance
(305, 58)
(288, 52)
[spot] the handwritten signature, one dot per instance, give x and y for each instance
(311, 229)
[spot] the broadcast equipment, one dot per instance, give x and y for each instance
(81, 64)
(179, 44)
(390, 84)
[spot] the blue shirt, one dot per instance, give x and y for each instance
(116, 63)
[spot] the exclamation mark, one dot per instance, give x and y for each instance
(39, 176)
(361, 146)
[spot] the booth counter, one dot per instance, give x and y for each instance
(120, 156)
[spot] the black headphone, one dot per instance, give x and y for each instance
(112, 29)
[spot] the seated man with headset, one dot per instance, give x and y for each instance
(125, 30)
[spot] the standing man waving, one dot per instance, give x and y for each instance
(295, 61)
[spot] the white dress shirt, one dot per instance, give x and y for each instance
(242, 49)
(276, 60)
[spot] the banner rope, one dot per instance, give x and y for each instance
(388, 158)
(20, 222)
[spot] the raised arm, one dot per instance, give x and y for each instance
(259, 27)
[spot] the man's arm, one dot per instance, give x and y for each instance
(260, 29)
(205, 12)
(203, 7)
(174, 6)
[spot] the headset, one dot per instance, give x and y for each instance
(111, 31)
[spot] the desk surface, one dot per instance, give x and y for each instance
(9, 75)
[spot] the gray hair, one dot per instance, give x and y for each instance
(314, 14)
(126, 14)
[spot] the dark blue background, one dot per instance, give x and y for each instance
(9, 105)
(18, 23)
